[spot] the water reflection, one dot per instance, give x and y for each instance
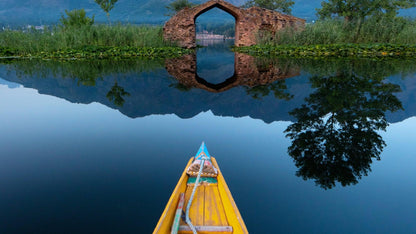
(248, 72)
(337, 107)
(335, 136)
(215, 63)
(117, 94)
(85, 72)
(141, 88)
(261, 92)
(211, 42)
(257, 89)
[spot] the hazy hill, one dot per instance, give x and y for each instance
(134, 11)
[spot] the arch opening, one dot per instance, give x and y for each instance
(215, 30)
(215, 25)
(219, 6)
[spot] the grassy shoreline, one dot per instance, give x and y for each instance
(316, 51)
(375, 37)
(331, 38)
(89, 42)
(331, 50)
(99, 52)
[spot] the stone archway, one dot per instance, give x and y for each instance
(181, 27)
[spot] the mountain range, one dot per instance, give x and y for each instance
(38, 12)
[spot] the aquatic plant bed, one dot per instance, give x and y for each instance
(331, 50)
(99, 52)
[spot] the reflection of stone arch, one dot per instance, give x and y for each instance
(185, 71)
(223, 86)
(181, 27)
(246, 73)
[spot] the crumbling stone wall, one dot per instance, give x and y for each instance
(248, 22)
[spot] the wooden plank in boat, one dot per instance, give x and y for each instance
(217, 229)
(214, 214)
(196, 213)
(233, 215)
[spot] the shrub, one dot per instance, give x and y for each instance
(76, 18)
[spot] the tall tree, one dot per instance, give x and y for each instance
(358, 9)
(283, 6)
(107, 6)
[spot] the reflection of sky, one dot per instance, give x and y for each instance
(9, 84)
(216, 63)
(67, 166)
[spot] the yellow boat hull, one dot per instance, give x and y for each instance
(213, 208)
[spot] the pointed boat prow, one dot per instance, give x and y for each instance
(212, 209)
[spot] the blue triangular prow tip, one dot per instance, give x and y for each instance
(203, 151)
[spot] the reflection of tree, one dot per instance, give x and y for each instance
(116, 94)
(335, 137)
(278, 88)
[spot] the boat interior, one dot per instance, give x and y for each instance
(213, 209)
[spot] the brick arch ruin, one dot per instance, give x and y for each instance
(248, 22)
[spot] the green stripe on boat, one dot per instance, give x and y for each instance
(211, 180)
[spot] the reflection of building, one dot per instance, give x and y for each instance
(247, 72)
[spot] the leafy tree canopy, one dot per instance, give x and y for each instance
(359, 9)
(76, 18)
(284, 6)
(107, 6)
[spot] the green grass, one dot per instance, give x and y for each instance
(95, 41)
(377, 37)
(331, 50)
(374, 30)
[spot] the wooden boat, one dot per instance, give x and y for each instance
(212, 208)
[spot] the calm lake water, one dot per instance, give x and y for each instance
(305, 145)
